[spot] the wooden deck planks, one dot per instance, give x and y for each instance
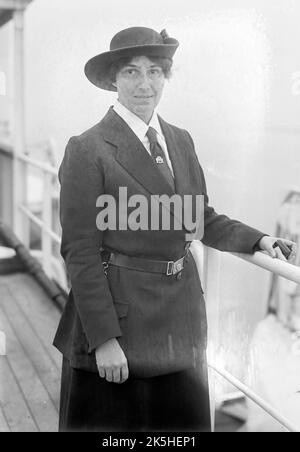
(30, 373)
(43, 363)
(17, 414)
(39, 311)
(4, 427)
(34, 392)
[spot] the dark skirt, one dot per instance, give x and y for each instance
(175, 402)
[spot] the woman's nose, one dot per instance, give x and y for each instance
(144, 80)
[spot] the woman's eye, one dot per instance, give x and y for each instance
(156, 72)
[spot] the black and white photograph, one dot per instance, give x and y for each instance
(149, 218)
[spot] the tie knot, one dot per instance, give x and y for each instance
(152, 135)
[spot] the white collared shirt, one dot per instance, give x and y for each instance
(140, 128)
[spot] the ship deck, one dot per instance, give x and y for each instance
(30, 368)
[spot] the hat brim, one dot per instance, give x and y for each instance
(97, 68)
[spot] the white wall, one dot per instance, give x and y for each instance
(235, 88)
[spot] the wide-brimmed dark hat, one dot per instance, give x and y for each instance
(132, 41)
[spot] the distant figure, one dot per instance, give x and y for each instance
(133, 333)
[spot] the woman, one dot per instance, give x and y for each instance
(133, 333)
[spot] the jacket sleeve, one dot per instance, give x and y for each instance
(223, 233)
(82, 181)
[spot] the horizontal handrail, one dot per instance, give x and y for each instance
(40, 223)
(37, 164)
(277, 266)
(260, 259)
(255, 398)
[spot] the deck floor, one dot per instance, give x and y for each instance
(30, 370)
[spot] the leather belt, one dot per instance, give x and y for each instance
(168, 268)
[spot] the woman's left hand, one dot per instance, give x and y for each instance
(266, 244)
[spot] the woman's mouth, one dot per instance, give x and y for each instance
(143, 97)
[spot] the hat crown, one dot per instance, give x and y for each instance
(136, 36)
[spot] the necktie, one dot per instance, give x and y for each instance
(159, 157)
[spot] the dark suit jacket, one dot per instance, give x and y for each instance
(102, 159)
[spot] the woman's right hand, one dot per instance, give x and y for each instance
(112, 362)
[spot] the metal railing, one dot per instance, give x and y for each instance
(255, 398)
(48, 236)
(280, 268)
(203, 261)
(211, 259)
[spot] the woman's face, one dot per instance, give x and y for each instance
(140, 85)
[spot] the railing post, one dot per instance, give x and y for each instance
(47, 221)
(211, 279)
(208, 263)
(20, 223)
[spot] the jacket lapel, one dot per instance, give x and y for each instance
(132, 155)
(182, 166)
(179, 158)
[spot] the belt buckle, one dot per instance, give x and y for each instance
(178, 266)
(175, 267)
(170, 270)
